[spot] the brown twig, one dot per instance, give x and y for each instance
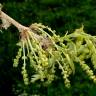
(13, 22)
(23, 29)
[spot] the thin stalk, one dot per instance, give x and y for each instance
(29, 42)
(24, 57)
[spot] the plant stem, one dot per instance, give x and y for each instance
(13, 22)
(21, 28)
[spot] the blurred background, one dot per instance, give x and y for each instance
(60, 15)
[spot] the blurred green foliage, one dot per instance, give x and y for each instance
(61, 15)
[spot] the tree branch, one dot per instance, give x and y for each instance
(7, 21)
(12, 21)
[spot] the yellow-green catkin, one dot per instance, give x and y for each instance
(65, 74)
(88, 71)
(25, 76)
(16, 60)
(67, 83)
(43, 58)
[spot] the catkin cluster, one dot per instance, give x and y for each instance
(44, 51)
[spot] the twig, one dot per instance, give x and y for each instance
(7, 21)
(13, 22)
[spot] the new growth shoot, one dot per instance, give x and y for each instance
(41, 52)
